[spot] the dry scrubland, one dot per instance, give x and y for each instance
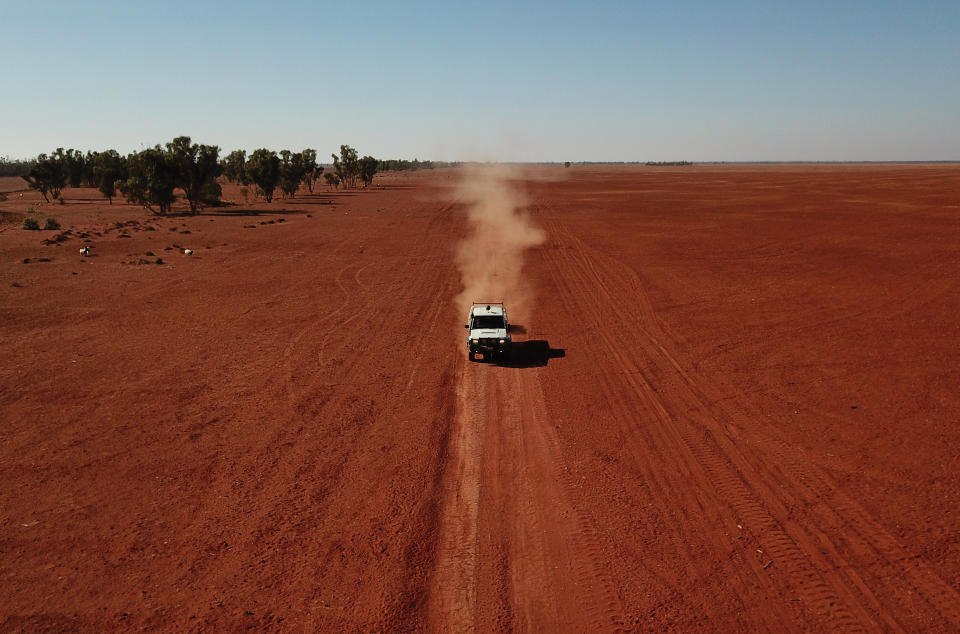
(735, 408)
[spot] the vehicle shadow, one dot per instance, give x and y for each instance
(534, 353)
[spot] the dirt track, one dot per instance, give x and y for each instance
(736, 407)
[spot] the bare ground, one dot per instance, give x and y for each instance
(735, 407)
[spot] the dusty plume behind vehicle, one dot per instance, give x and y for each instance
(490, 258)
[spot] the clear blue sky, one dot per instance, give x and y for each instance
(511, 81)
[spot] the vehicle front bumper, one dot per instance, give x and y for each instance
(488, 347)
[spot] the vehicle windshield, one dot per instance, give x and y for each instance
(488, 321)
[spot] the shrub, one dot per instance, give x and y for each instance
(31, 224)
(210, 194)
(51, 224)
(3, 198)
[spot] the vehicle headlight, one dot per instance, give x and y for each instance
(476, 341)
(503, 341)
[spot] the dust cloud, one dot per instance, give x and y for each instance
(490, 258)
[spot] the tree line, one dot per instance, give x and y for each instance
(150, 177)
(399, 165)
(14, 167)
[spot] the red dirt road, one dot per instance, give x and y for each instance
(735, 406)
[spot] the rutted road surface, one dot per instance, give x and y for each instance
(732, 408)
(516, 553)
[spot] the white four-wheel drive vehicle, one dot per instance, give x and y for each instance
(489, 337)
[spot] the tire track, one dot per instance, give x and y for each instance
(358, 302)
(454, 584)
(572, 548)
(825, 575)
(686, 433)
(333, 407)
(677, 484)
(514, 551)
(505, 457)
(834, 513)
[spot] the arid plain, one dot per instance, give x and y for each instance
(734, 406)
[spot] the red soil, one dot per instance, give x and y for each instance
(737, 409)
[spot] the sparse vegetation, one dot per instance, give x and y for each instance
(88, 164)
(367, 167)
(263, 169)
(108, 169)
(399, 165)
(210, 194)
(196, 170)
(51, 224)
(347, 166)
(151, 177)
(12, 167)
(31, 224)
(292, 172)
(48, 175)
(311, 171)
(235, 167)
(74, 163)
